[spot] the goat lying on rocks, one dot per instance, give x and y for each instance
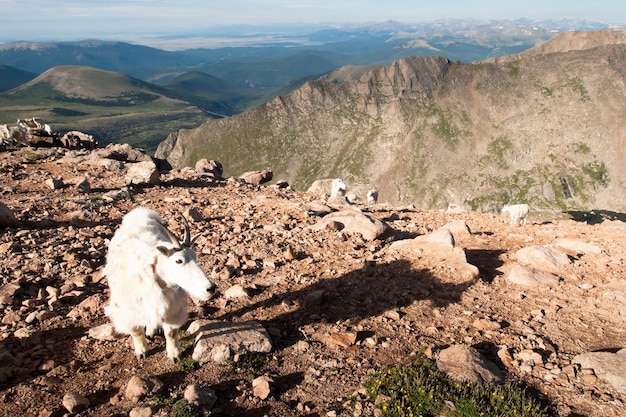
(150, 273)
(518, 213)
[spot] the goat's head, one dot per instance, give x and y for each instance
(178, 266)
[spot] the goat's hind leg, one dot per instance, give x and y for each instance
(140, 342)
(172, 342)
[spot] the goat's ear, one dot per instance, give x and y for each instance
(165, 250)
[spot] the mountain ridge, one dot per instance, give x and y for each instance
(542, 129)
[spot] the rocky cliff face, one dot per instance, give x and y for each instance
(543, 128)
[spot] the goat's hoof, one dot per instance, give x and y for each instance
(174, 359)
(140, 356)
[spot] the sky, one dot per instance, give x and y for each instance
(122, 19)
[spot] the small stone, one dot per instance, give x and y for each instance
(47, 365)
(193, 215)
(55, 183)
(236, 291)
(198, 396)
(4, 247)
(104, 332)
(393, 315)
(139, 387)
(75, 403)
(486, 324)
(140, 412)
(261, 387)
(530, 357)
(344, 339)
(83, 186)
(505, 357)
(288, 254)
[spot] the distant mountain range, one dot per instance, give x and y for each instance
(544, 127)
(214, 83)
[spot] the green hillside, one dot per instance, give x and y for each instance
(108, 105)
(212, 94)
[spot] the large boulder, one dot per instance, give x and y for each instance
(545, 258)
(257, 177)
(465, 364)
(213, 168)
(352, 221)
(141, 173)
(438, 245)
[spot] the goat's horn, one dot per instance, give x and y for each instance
(187, 235)
(173, 238)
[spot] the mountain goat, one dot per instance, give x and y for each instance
(338, 187)
(372, 196)
(150, 273)
(518, 213)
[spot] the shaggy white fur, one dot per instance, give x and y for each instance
(150, 273)
(518, 213)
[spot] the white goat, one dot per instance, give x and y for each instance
(372, 197)
(338, 187)
(518, 213)
(150, 273)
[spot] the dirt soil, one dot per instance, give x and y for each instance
(255, 236)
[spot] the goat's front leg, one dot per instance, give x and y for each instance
(171, 342)
(140, 342)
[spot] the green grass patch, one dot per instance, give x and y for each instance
(251, 363)
(32, 156)
(514, 69)
(445, 130)
(422, 390)
(186, 365)
(497, 151)
(581, 148)
(182, 409)
(577, 85)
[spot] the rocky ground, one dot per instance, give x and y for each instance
(335, 305)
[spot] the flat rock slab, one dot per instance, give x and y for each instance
(576, 247)
(530, 277)
(611, 366)
(545, 258)
(219, 341)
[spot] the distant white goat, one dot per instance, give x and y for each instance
(150, 273)
(372, 197)
(338, 187)
(518, 213)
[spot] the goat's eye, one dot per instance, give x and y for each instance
(179, 261)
